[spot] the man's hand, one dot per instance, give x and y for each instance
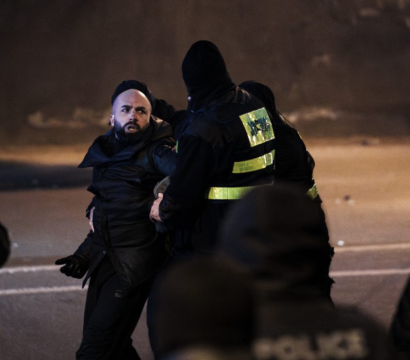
(154, 214)
(91, 218)
(74, 266)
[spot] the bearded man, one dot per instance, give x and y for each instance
(123, 253)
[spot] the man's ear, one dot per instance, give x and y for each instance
(111, 120)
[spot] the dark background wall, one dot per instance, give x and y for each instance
(61, 60)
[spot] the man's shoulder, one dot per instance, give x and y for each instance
(96, 150)
(162, 129)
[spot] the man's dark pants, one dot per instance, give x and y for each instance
(179, 254)
(109, 321)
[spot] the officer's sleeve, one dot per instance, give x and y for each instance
(288, 144)
(185, 195)
(167, 112)
(164, 157)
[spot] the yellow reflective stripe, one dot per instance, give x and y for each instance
(258, 163)
(176, 148)
(312, 192)
(235, 193)
(228, 193)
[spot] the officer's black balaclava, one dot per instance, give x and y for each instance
(277, 233)
(205, 74)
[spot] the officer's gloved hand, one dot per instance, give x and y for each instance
(74, 266)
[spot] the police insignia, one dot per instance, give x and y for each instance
(258, 126)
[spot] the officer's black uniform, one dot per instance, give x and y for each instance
(226, 146)
(294, 165)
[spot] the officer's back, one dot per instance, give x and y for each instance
(226, 147)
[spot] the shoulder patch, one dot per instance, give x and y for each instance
(258, 126)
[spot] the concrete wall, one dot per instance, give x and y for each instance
(61, 60)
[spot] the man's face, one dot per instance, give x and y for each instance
(130, 114)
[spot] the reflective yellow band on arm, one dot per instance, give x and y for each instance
(312, 192)
(258, 163)
(228, 193)
(236, 193)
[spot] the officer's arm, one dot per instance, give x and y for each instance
(165, 157)
(185, 196)
(167, 112)
(288, 144)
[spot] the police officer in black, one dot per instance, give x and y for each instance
(294, 165)
(226, 146)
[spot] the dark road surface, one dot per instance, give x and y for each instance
(22, 176)
(41, 310)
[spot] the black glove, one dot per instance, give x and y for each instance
(74, 266)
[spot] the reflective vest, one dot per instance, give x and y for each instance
(260, 134)
(251, 157)
(252, 162)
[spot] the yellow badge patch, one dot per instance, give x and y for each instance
(258, 126)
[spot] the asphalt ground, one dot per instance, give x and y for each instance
(366, 196)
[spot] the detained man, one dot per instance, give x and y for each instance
(122, 253)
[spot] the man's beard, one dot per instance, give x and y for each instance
(128, 138)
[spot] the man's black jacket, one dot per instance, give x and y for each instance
(123, 183)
